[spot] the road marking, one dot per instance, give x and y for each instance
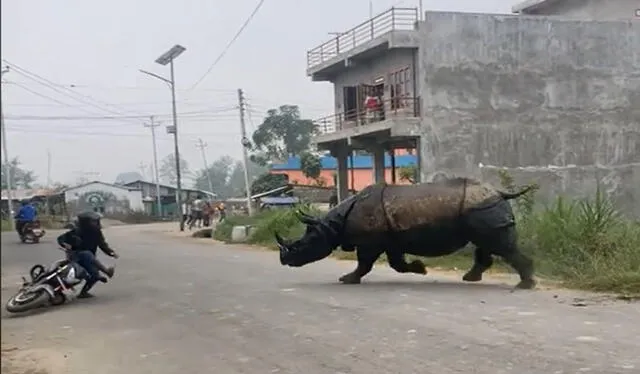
(527, 313)
(587, 339)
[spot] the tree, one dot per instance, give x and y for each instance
(409, 173)
(219, 172)
(20, 178)
(227, 177)
(282, 134)
(236, 180)
(310, 165)
(267, 182)
(168, 172)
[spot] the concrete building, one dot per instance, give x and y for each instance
(593, 10)
(102, 197)
(167, 196)
(551, 99)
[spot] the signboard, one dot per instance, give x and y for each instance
(171, 129)
(94, 199)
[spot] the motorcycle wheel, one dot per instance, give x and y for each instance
(59, 299)
(26, 300)
(36, 271)
(36, 240)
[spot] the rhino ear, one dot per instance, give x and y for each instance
(306, 219)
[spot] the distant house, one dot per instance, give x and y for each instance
(168, 193)
(360, 170)
(102, 197)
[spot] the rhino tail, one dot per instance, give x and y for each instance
(513, 195)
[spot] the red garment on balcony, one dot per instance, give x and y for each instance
(371, 102)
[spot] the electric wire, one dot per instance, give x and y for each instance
(86, 99)
(228, 46)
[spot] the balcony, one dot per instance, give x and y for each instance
(393, 113)
(384, 24)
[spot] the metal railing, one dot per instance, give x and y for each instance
(399, 107)
(390, 20)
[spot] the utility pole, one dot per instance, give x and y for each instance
(156, 177)
(48, 168)
(202, 145)
(7, 162)
(245, 143)
(143, 169)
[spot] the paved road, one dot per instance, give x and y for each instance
(184, 306)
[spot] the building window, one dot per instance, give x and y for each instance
(400, 84)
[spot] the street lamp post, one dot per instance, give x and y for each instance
(164, 59)
(7, 164)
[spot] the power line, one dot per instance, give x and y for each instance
(228, 91)
(52, 99)
(82, 118)
(235, 37)
(63, 90)
(112, 134)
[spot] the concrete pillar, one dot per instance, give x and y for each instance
(421, 175)
(378, 164)
(342, 175)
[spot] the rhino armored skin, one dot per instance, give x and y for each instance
(428, 219)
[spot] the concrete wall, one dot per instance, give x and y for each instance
(367, 72)
(600, 10)
(530, 91)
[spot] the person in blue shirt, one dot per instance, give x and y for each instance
(25, 215)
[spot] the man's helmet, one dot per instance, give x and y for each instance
(89, 220)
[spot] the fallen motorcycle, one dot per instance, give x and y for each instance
(52, 286)
(32, 232)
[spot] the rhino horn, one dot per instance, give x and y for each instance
(284, 250)
(281, 243)
(307, 219)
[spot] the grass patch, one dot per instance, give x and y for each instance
(585, 243)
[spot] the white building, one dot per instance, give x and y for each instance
(103, 197)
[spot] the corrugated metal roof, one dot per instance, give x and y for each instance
(23, 194)
(529, 5)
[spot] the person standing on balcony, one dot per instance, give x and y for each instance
(371, 105)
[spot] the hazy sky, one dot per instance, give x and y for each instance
(95, 49)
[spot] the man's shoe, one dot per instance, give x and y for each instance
(85, 295)
(110, 271)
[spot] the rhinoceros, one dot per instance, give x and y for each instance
(428, 219)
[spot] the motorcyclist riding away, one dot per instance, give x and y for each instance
(82, 242)
(25, 215)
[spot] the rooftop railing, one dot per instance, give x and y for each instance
(399, 107)
(390, 20)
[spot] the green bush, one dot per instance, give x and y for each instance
(283, 221)
(586, 243)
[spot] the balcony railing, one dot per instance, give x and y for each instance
(390, 20)
(400, 107)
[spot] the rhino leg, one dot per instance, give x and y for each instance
(398, 263)
(366, 258)
(482, 261)
(503, 242)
